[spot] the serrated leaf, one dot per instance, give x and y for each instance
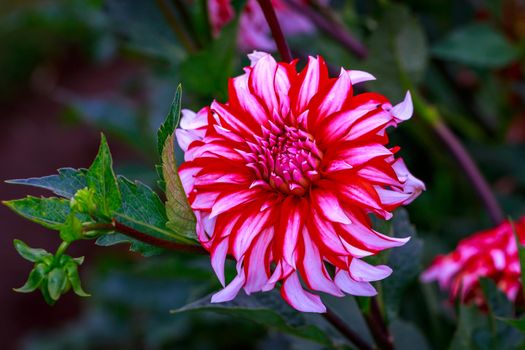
(181, 219)
(476, 44)
(142, 210)
(398, 52)
(56, 282)
(36, 276)
(268, 309)
(65, 184)
(48, 212)
(102, 180)
(170, 123)
(405, 261)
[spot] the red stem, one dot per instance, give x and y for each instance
(277, 32)
(471, 171)
(341, 326)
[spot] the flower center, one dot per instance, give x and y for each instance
(287, 159)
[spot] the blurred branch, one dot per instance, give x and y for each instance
(277, 32)
(332, 27)
(185, 17)
(173, 22)
(377, 326)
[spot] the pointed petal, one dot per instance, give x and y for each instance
(298, 298)
(352, 287)
(364, 272)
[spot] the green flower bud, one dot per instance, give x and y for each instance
(84, 201)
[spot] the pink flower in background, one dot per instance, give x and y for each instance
(491, 253)
(254, 32)
(283, 176)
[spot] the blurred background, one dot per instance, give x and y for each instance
(72, 68)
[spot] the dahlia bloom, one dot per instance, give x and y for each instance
(282, 177)
(491, 253)
(253, 28)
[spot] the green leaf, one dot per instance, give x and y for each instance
(268, 309)
(398, 52)
(407, 336)
(181, 219)
(521, 254)
(170, 123)
(56, 282)
(142, 210)
(476, 44)
(519, 323)
(217, 60)
(71, 230)
(498, 303)
(405, 261)
(470, 321)
(102, 180)
(36, 276)
(48, 212)
(74, 279)
(65, 184)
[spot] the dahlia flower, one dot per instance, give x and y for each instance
(491, 253)
(253, 28)
(282, 177)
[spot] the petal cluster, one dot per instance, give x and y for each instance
(253, 28)
(491, 253)
(284, 175)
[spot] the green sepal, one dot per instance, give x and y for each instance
(72, 229)
(56, 283)
(45, 293)
(74, 279)
(36, 276)
(30, 254)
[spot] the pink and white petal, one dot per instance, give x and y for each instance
(359, 76)
(191, 120)
(329, 205)
(187, 177)
(247, 231)
(231, 290)
(353, 287)
(255, 56)
(298, 298)
(261, 81)
(313, 270)
(336, 97)
(403, 110)
(256, 276)
(186, 137)
(218, 257)
(233, 200)
(360, 155)
(364, 272)
(310, 84)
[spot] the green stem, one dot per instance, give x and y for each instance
(62, 249)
